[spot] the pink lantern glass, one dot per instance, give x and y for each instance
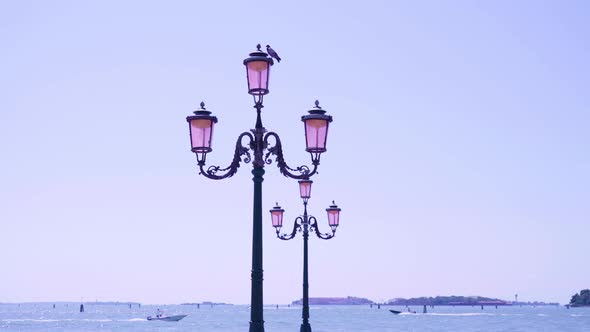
(305, 189)
(258, 71)
(200, 127)
(316, 129)
(333, 216)
(276, 215)
(201, 131)
(316, 132)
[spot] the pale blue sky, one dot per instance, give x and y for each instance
(458, 152)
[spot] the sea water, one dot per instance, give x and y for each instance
(42, 317)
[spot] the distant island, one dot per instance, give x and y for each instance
(449, 300)
(535, 303)
(581, 299)
(207, 303)
(428, 301)
(349, 300)
(459, 301)
(112, 303)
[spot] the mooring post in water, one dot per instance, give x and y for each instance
(424, 310)
(82, 307)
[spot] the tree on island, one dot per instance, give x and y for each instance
(581, 299)
(446, 300)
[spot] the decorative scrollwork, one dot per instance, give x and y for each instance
(296, 228)
(241, 154)
(314, 228)
(277, 150)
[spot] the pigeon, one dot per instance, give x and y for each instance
(272, 53)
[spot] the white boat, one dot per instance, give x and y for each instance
(174, 318)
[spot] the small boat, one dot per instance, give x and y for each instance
(174, 318)
(395, 312)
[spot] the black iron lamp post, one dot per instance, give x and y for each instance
(262, 144)
(305, 224)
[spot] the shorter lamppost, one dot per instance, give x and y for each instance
(305, 224)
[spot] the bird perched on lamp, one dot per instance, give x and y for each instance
(272, 53)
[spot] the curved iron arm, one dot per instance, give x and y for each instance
(240, 151)
(277, 150)
(296, 227)
(314, 227)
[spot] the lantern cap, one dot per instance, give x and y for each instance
(317, 112)
(333, 207)
(202, 110)
(277, 208)
(317, 109)
(202, 113)
(258, 55)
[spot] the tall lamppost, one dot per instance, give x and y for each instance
(263, 144)
(305, 224)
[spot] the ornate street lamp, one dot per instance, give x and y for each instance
(259, 149)
(316, 131)
(305, 224)
(201, 132)
(258, 71)
(305, 189)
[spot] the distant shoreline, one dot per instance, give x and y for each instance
(349, 300)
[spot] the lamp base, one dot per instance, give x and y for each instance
(256, 327)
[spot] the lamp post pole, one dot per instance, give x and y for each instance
(305, 327)
(256, 297)
(305, 224)
(256, 276)
(263, 145)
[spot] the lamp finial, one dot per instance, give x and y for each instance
(202, 110)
